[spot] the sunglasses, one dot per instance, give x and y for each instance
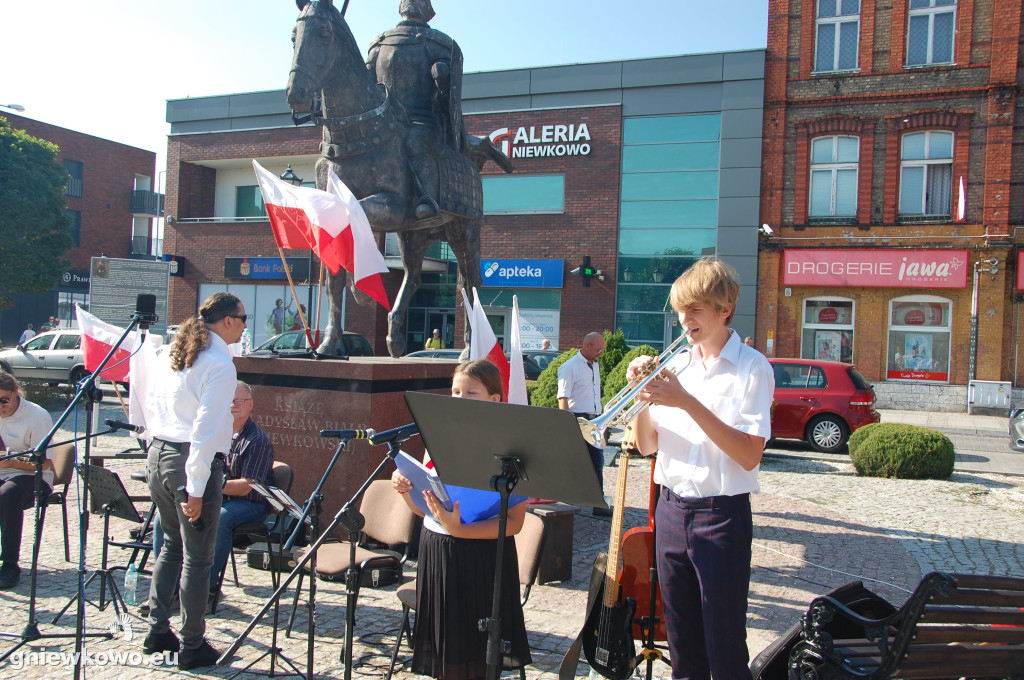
(4, 401)
(241, 317)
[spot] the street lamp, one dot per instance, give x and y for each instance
(627, 275)
(658, 275)
(291, 177)
(13, 107)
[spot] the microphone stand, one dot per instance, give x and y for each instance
(86, 390)
(350, 517)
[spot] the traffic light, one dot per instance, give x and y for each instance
(586, 270)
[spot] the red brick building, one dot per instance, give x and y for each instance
(875, 115)
(110, 195)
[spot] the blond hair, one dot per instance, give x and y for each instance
(709, 282)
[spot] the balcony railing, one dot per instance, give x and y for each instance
(142, 245)
(73, 188)
(147, 203)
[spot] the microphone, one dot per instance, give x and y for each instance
(145, 310)
(116, 425)
(181, 495)
(395, 434)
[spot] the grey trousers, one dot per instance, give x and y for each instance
(186, 551)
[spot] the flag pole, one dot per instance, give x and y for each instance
(295, 296)
(320, 297)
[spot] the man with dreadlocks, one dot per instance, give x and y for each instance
(186, 413)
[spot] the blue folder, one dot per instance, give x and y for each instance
(474, 504)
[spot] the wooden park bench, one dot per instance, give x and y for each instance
(953, 626)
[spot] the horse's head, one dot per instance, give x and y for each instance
(320, 37)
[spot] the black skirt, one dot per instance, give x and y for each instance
(455, 586)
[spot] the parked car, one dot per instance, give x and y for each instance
(1017, 429)
(530, 366)
(295, 342)
(820, 402)
(55, 356)
(436, 353)
(541, 357)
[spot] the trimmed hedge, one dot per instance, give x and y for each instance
(545, 391)
(900, 451)
(616, 378)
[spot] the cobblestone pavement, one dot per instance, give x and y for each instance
(817, 526)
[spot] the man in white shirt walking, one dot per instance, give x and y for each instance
(579, 391)
(26, 335)
(22, 426)
(187, 416)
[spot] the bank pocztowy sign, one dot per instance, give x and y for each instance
(876, 268)
(521, 273)
(543, 141)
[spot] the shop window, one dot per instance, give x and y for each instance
(523, 194)
(838, 28)
(926, 173)
(919, 339)
(249, 202)
(827, 329)
(74, 185)
(930, 32)
(834, 176)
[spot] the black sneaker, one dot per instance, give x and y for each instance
(203, 655)
(10, 574)
(603, 512)
(161, 642)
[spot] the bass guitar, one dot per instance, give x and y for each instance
(608, 632)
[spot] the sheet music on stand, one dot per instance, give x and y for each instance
(278, 499)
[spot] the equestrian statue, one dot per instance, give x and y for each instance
(393, 132)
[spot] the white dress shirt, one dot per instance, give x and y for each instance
(192, 405)
(737, 387)
(22, 431)
(580, 383)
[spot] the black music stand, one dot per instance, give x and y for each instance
(500, 447)
(109, 498)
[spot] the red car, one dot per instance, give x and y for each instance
(820, 402)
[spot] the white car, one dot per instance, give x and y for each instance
(55, 357)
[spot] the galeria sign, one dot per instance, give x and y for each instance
(541, 141)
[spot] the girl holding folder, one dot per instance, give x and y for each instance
(455, 572)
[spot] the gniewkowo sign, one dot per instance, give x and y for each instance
(543, 141)
(876, 268)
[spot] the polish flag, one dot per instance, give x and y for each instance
(517, 372)
(331, 223)
(483, 344)
(98, 337)
(961, 207)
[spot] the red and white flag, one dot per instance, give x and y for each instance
(517, 372)
(961, 205)
(331, 223)
(98, 337)
(483, 344)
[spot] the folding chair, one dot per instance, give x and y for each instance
(63, 458)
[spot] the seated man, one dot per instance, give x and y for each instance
(22, 426)
(251, 457)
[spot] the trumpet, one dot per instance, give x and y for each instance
(624, 406)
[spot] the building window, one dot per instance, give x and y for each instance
(838, 31)
(249, 202)
(75, 228)
(827, 329)
(930, 35)
(74, 185)
(926, 173)
(523, 194)
(834, 176)
(919, 339)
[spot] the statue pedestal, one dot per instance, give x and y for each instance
(296, 398)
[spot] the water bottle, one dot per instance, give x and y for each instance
(131, 581)
(246, 342)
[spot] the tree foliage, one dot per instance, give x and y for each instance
(33, 214)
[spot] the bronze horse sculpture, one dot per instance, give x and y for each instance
(364, 141)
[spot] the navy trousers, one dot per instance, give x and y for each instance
(703, 552)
